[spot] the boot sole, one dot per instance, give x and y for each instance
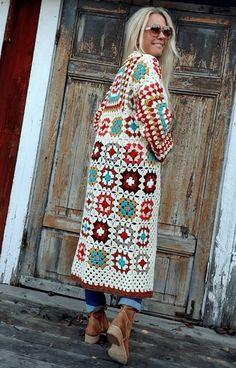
(117, 350)
(91, 339)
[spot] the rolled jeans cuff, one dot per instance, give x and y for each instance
(135, 303)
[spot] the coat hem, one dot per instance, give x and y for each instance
(108, 289)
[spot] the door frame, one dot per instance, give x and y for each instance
(30, 136)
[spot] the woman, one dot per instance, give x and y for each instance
(117, 246)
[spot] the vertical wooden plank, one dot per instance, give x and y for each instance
(55, 254)
(162, 265)
(185, 272)
(172, 281)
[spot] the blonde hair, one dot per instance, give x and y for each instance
(134, 40)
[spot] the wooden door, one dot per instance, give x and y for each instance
(88, 54)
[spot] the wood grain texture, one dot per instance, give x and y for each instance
(190, 176)
(76, 136)
(181, 199)
(209, 40)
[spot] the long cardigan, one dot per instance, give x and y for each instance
(118, 239)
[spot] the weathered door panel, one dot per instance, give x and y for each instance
(88, 55)
(184, 173)
(202, 41)
(66, 192)
(214, 57)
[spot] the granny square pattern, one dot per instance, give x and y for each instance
(118, 238)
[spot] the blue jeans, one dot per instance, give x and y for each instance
(95, 300)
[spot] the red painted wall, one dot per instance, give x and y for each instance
(15, 66)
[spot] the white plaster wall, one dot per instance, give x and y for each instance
(4, 7)
(223, 256)
(32, 122)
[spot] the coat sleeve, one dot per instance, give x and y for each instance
(99, 112)
(98, 115)
(152, 109)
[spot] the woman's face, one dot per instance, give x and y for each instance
(154, 44)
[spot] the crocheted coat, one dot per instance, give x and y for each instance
(118, 240)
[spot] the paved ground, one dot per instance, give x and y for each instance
(42, 331)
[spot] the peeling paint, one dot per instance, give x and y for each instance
(229, 307)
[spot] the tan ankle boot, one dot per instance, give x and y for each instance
(119, 332)
(97, 325)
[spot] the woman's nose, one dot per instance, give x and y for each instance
(161, 35)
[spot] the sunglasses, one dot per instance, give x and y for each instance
(156, 29)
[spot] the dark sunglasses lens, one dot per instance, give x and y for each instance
(167, 31)
(156, 29)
